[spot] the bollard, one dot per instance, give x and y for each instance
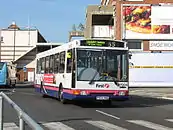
(21, 125)
(1, 112)
(21, 122)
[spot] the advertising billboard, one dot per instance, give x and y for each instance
(151, 69)
(161, 45)
(147, 22)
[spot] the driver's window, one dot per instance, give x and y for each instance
(69, 61)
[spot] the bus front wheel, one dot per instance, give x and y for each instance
(61, 98)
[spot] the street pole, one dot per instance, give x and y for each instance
(14, 44)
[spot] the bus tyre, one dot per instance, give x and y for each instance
(61, 98)
(42, 91)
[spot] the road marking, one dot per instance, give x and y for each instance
(170, 120)
(104, 125)
(104, 113)
(167, 98)
(10, 126)
(149, 125)
(133, 91)
(57, 126)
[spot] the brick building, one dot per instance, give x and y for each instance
(147, 26)
(159, 43)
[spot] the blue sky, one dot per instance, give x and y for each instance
(54, 18)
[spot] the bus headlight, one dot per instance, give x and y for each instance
(83, 93)
(121, 93)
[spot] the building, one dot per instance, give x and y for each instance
(16, 41)
(99, 22)
(141, 41)
(26, 63)
(21, 45)
(146, 25)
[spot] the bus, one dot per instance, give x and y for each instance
(90, 69)
(7, 74)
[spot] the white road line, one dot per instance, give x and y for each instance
(170, 120)
(150, 125)
(167, 98)
(104, 113)
(57, 126)
(104, 125)
(10, 126)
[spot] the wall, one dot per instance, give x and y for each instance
(91, 10)
(151, 69)
(118, 16)
(24, 41)
(24, 75)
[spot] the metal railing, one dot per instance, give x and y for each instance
(23, 117)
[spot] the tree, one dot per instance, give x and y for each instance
(81, 27)
(74, 27)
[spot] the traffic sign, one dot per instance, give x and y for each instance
(24, 69)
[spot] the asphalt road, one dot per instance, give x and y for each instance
(139, 113)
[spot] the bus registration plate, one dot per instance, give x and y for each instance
(102, 97)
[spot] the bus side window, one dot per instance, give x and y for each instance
(56, 64)
(38, 66)
(51, 63)
(43, 64)
(69, 61)
(62, 62)
(47, 64)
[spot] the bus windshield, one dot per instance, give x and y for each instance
(1, 65)
(102, 65)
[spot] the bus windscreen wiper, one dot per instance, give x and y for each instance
(91, 81)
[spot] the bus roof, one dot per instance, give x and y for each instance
(78, 43)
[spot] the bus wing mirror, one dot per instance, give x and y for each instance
(130, 55)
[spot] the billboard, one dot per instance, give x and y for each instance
(161, 45)
(151, 69)
(147, 22)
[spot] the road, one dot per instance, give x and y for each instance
(139, 113)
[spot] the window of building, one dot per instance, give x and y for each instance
(136, 45)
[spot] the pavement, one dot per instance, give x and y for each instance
(160, 93)
(139, 113)
(24, 84)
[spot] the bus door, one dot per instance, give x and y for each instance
(3, 72)
(70, 69)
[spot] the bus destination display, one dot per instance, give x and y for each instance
(102, 43)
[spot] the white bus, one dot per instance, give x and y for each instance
(93, 69)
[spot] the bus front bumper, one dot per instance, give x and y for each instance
(98, 97)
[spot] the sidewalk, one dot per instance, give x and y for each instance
(160, 93)
(24, 84)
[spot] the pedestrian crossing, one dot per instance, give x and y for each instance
(98, 124)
